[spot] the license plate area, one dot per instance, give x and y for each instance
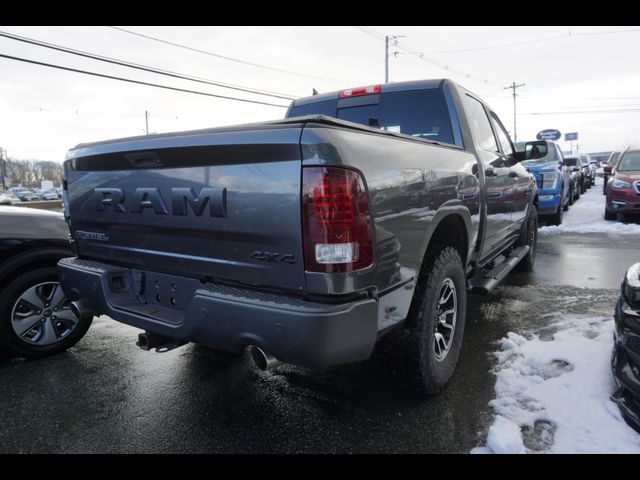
(163, 297)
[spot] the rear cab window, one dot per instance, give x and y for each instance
(422, 114)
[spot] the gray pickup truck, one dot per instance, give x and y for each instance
(305, 239)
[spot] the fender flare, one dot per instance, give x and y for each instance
(447, 209)
(31, 256)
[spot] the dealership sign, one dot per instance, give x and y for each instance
(568, 137)
(549, 134)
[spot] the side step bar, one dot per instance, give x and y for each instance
(486, 280)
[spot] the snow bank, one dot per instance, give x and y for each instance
(553, 396)
(587, 216)
(504, 437)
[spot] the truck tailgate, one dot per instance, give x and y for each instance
(215, 205)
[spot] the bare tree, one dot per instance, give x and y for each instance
(29, 173)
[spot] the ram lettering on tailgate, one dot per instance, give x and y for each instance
(118, 200)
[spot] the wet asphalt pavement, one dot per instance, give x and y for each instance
(106, 395)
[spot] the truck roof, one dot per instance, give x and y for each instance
(385, 88)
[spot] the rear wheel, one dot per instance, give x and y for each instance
(609, 215)
(572, 198)
(436, 321)
(529, 236)
(35, 316)
(556, 218)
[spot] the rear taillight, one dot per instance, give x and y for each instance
(336, 220)
(356, 92)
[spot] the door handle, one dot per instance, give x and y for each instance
(489, 172)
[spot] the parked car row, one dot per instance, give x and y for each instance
(589, 168)
(623, 186)
(561, 179)
(19, 194)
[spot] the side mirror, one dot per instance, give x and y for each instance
(537, 149)
(607, 168)
(519, 156)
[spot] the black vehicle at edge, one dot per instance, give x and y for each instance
(625, 360)
(577, 177)
(36, 319)
(300, 238)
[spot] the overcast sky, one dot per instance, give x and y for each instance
(565, 69)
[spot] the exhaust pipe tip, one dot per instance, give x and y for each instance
(143, 342)
(80, 311)
(263, 360)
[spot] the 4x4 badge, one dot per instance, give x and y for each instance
(273, 257)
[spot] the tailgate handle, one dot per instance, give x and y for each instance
(143, 159)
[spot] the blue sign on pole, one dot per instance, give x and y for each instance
(549, 134)
(570, 136)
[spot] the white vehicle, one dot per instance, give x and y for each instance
(8, 198)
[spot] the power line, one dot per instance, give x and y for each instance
(527, 42)
(371, 32)
(80, 111)
(604, 33)
(421, 55)
(224, 57)
(596, 106)
(583, 111)
(504, 45)
(138, 82)
(135, 65)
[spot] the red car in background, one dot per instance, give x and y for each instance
(623, 188)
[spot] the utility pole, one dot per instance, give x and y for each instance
(386, 53)
(386, 59)
(513, 86)
(146, 120)
(3, 167)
